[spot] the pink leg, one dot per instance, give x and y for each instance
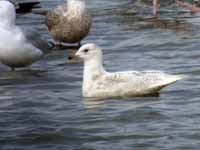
(155, 7)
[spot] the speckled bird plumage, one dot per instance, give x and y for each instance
(98, 83)
(69, 22)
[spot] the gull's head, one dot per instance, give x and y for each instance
(89, 51)
(7, 11)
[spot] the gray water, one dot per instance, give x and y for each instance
(41, 108)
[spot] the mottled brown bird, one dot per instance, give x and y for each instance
(69, 22)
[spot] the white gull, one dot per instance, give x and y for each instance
(98, 83)
(18, 48)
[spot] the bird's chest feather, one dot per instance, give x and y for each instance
(93, 84)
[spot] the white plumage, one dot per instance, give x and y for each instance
(17, 48)
(97, 82)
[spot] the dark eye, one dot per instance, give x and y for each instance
(86, 50)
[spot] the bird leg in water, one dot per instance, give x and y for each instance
(155, 7)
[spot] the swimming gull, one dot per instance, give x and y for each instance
(18, 48)
(98, 83)
(69, 22)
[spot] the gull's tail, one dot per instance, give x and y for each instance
(169, 80)
(175, 78)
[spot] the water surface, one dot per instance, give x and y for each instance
(41, 108)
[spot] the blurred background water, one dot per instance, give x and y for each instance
(42, 109)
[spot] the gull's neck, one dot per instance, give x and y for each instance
(94, 66)
(8, 22)
(93, 69)
(10, 26)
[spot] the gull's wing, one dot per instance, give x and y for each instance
(136, 76)
(36, 39)
(139, 80)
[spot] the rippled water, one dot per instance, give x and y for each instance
(42, 109)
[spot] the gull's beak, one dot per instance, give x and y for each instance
(77, 54)
(74, 57)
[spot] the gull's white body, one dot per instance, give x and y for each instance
(99, 83)
(15, 49)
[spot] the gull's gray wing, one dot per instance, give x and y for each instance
(37, 40)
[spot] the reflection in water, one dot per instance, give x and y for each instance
(93, 103)
(22, 74)
(136, 102)
(178, 25)
(165, 6)
(126, 18)
(137, 22)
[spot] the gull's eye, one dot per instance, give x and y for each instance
(86, 50)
